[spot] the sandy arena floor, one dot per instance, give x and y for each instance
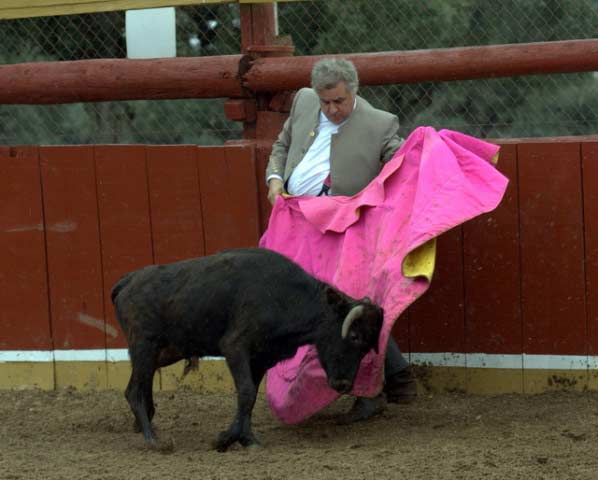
(73, 435)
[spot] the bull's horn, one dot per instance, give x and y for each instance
(355, 312)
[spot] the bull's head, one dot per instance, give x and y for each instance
(349, 336)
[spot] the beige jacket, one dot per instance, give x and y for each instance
(368, 137)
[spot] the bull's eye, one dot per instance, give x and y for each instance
(353, 337)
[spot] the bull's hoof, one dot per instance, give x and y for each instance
(151, 443)
(225, 439)
(162, 446)
(250, 442)
(401, 387)
(364, 408)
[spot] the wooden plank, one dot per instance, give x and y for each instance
(73, 247)
(43, 8)
(436, 320)
(25, 314)
(177, 228)
(243, 192)
(228, 197)
(211, 163)
(589, 155)
(269, 125)
(552, 272)
(126, 3)
(125, 226)
(262, 156)
(491, 268)
(39, 8)
(267, 1)
(492, 289)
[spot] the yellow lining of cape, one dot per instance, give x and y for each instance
(421, 261)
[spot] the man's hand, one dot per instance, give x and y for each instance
(275, 188)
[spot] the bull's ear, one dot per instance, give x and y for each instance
(334, 297)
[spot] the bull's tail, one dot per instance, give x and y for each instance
(122, 283)
(191, 363)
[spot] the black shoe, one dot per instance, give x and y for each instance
(364, 408)
(401, 387)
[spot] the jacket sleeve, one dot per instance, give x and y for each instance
(280, 148)
(391, 141)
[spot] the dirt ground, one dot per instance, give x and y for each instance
(74, 435)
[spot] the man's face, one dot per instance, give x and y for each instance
(337, 102)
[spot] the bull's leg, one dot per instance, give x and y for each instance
(247, 437)
(164, 359)
(136, 426)
(149, 404)
(150, 409)
(240, 428)
(149, 401)
(139, 391)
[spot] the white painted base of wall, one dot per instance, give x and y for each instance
(446, 359)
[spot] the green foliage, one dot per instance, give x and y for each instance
(539, 105)
(507, 107)
(102, 35)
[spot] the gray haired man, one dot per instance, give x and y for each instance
(334, 143)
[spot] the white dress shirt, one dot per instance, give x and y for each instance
(309, 175)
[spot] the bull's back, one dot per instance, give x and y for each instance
(216, 289)
(194, 302)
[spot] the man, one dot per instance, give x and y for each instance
(334, 143)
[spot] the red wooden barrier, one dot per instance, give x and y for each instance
(521, 279)
(176, 209)
(491, 260)
(589, 154)
(24, 316)
(552, 257)
(437, 319)
(229, 197)
(73, 246)
(124, 218)
(100, 212)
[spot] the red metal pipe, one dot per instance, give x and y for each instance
(463, 63)
(120, 79)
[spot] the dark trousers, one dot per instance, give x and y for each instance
(394, 361)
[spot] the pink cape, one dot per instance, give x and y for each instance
(435, 181)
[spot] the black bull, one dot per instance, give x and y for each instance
(252, 306)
